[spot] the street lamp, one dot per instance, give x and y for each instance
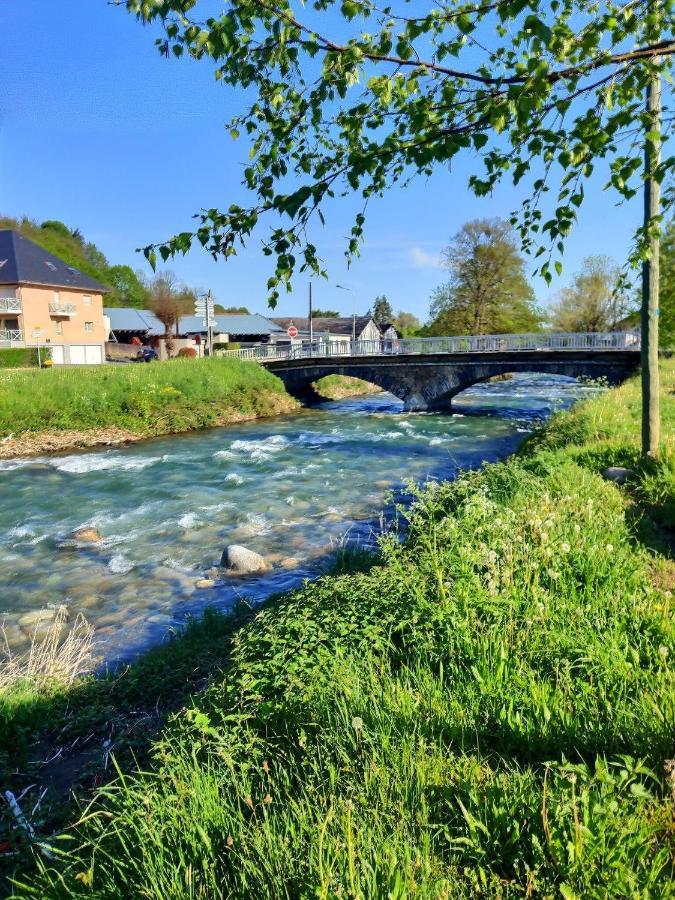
(343, 288)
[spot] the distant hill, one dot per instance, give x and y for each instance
(126, 289)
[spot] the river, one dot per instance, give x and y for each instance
(293, 488)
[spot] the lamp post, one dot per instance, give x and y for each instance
(343, 288)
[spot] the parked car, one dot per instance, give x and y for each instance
(146, 354)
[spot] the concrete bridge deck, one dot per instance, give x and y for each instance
(426, 373)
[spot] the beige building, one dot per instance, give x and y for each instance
(44, 302)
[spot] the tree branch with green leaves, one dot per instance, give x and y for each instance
(536, 92)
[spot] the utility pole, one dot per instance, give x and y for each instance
(311, 326)
(650, 274)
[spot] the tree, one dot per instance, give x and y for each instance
(403, 91)
(230, 310)
(169, 301)
(539, 91)
(595, 300)
(406, 324)
(383, 314)
(128, 287)
(667, 287)
(488, 292)
(325, 314)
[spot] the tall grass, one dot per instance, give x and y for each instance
(57, 655)
(155, 398)
(485, 712)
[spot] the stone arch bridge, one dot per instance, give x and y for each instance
(427, 373)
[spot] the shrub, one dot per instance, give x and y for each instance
(187, 353)
(17, 358)
(221, 345)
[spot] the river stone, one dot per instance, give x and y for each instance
(242, 560)
(291, 562)
(87, 535)
(204, 583)
(36, 616)
(617, 474)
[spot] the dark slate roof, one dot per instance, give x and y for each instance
(24, 262)
(124, 318)
(329, 324)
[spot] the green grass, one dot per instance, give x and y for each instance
(335, 387)
(18, 358)
(156, 398)
(485, 711)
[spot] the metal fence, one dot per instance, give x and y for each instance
(491, 343)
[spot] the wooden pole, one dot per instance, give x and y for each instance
(650, 277)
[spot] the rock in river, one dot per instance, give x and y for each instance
(87, 535)
(243, 561)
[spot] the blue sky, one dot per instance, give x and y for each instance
(96, 129)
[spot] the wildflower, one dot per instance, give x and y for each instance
(552, 574)
(565, 547)
(663, 652)
(267, 799)
(609, 547)
(492, 557)
(230, 840)
(357, 724)
(544, 536)
(577, 527)
(540, 608)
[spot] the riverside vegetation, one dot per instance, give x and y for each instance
(103, 404)
(487, 709)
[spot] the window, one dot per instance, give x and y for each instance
(88, 326)
(86, 299)
(59, 327)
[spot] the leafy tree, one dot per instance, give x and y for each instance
(127, 287)
(407, 324)
(488, 292)
(325, 314)
(224, 310)
(58, 227)
(383, 313)
(667, 287)
(595, 300)
(536, 91)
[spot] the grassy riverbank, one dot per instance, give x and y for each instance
(485, 710)
(66, 407)
(338, 387)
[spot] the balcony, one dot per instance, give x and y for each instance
(11, 336)
(10, 305)
(62, 309)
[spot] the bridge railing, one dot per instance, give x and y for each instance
(491, 343)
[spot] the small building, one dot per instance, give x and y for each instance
(127, 324)
(361, 328)
(389, 332)
(44, 302)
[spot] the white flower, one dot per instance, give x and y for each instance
(565, 547)
(609, 547)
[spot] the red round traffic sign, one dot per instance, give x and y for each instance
(292, 331)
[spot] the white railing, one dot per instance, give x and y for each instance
(491, 343)
(62, 309)
(10, 304)
(11, 336)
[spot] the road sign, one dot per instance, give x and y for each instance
(292, 331)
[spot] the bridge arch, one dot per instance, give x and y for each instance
(430, 381)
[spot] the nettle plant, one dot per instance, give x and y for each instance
(354, 97)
